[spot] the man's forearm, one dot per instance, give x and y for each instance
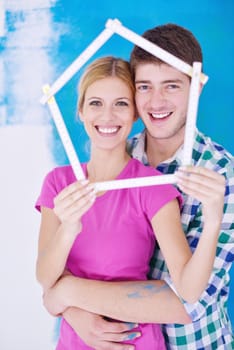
(145, 302)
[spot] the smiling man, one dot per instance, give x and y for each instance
(161, 98)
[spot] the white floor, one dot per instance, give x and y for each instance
(24, 159)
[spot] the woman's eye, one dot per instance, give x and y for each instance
(95, 103)
(122, 103)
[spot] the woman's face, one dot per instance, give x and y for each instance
(108, 112)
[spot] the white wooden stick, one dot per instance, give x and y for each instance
(78, 63)
(135, 182)
(64, 135)
(191, 115)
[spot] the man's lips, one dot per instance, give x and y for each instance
(160, 116)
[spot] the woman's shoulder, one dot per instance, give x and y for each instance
(61, 176)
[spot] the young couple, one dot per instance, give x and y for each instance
(95, 248)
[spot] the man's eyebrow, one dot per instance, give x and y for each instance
(162, 82)
(142, 81)
(172, 81)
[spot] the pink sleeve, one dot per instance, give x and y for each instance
(48, 192)
(155, 197)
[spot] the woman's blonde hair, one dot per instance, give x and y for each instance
(103, 68)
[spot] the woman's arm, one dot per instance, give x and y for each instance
(190, 272)
(53, 247)
(59, 228)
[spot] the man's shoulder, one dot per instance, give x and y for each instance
(211, 154)
(134, 140)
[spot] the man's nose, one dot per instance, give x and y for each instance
(157, 96)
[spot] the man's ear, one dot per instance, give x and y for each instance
(200, 88)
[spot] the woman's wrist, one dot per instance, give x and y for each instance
(66, 287)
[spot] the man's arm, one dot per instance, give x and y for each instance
(145, 302)
(218, 282)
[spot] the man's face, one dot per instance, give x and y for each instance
(162, 97)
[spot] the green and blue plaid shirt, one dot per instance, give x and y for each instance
(211, 328)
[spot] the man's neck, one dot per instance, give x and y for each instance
(159, 151)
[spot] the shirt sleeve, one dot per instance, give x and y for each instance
(48, 192)
(155, 197)
(218, 285)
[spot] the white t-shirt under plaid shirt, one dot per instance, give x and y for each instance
(211, 328)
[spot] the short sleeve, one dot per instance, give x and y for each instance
(155, 197)
(48, 192)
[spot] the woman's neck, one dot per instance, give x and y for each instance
(106, 165)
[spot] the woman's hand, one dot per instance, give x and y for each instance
(72, 203)
(207, 186)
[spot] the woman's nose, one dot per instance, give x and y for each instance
(108, 112)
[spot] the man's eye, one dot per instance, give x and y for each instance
(142, 87)
(173, 86)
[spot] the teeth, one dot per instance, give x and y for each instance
(160, 115)
(107, 130)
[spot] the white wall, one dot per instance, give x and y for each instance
(24, 325)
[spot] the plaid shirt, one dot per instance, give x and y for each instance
(211, 328)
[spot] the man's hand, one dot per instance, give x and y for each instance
(208, 187)
(99, 333)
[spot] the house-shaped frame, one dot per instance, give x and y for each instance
(197, 77)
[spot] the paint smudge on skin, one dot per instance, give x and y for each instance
(146, 290)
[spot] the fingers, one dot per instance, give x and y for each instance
(200, 181)
(72, 193)
(120, 337)
(72, 202)
(208, 187)
(201, 175)
(114, 346)
(114, 333)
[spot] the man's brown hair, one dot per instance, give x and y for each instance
(175, 39)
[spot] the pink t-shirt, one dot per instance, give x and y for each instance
(117, 240)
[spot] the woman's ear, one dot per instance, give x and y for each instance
(80, 115)
(136, 117)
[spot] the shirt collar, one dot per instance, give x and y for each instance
(139, 151)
